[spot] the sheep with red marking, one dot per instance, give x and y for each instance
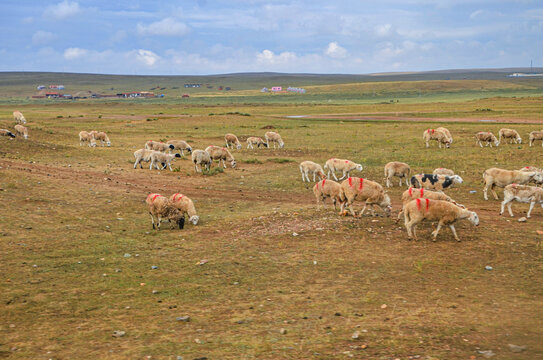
(500, 177)
(21, 130)
(161, 208)
(443, 171)
(398, 169)
(309, 166)
(186, 206)
(86, 137)
(536, 135)
(221, 154)
(509, 134)
(436, 135)
(19, 117)
(158, 146)
(275, 138)
(444, 212)
(486, 137)
(328, 189)
(255, 140)
(523, 194)
(343, 165)
(536, 169)
(370, 192)
(180, 145)
(412, 194)
(446, 131)
(232, 140)
(435, 182)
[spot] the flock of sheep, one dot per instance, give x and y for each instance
(20, 129)
(443, 137)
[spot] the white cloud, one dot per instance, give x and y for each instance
(62, 10)
(41, 37)
(335, 51)
(267, 57)
(147, 57)
(165, 27)
(383, 30)
(74, 53)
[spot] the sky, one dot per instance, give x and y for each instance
(201, 37)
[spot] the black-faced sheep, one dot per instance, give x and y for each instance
(399, 169)
(499, 177)
(161, 208)
(370, 192)
(435, 182)
(164, 159)
(158, 146)
(142, 155)
(180, 145)
(345, 166)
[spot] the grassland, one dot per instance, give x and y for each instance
(70, 215)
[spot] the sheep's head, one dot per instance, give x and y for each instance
(189, 149)
(538, 177)
(171, 146)
(496, 142)
(519, 139)
(281, 144)
(386, 205)
(108, 143)
(238, 146)
(321, 174)
(233, 163)
(457, 179)
(473, 218)
(194, 219)
(359, 167)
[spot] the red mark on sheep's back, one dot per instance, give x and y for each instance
(411, 191)
(427, 204)
(350, 181)
(421, 192)
(418, 204)
(153, 196)
(323, 183)
(361, 184)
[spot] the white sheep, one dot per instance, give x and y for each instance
(86, 137)
(523, 194)
(161, 208)
(142, 155)
(275, 138)
(533, 168)
(327, 188)
(435, 182)
(4, 132)
(185, 205)
(486, 137)
(255, 140)
(221, 154)
(346, 166)
(370, 192)
(412, 194)
(437, 135)
(443, 171)
(158, 146)
(102, 136)
(445, 212)
(510, 134)
(447, 132)
(399, 169)
(232, 140)
(199, 158)
(19, 117)
(180, 145)
(499, 177)
(21, 131)
(309, 166)
(536, 135)
(164, 159)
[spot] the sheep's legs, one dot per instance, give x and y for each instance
(152, 220)
(532, 204)
(454, 232)
(313, 177)
(494, 192)
(302, 172)
(434, 233)
(334, 174)
(508, 202)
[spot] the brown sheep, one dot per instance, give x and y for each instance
(486, 137)
(232, 139)
(399, 169)
(499, 177)
(186, 206)
(327, 188)
(368, 191)
(161, 208)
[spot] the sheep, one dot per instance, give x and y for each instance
(346, 166)
(399, 169)
(499, 177)
(487, 137)
(536, 135)
(254, 140)
(158, 157)
(445, 212)
(158, 146)
(310, 166)
(142, 155)
(443, 171)
(19, 117)
(275, 138)
(232, 139)
(437, 135)
(368, 191)
(161, 208)
(523, 194)
(219, 153)
(511, 134)
(85, 136)
(4, 132)
(102, 136)
(533, 168)
(446, 131)
(435, 182)
(200, 157)
(21, 130)
(411, 194)
(180, 145)
(185, 205)
(327, 188)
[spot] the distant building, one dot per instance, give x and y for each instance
(185, 96)
(40, 87)
(264, 90)
(296, 90)
(277, 88)
(193, 85)
(136, 94)
(59, 87)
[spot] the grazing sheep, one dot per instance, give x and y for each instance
(161, 208)
(4, 132)
(435, 182)
(85, 136)
(327, 188)
(254, 140)
(142, 155)
(536, 135)
(487, 137)
(533, 168)
(346, 166)
(102, 136)
(21, 131)
(232, 139)
(510, 134)
(445, 212)
(310, 166)
(399, 169)
(19, 117)
(446, 131)
(443, 171)
(523, 194)
(411, 194)
(437, 135)
(275, 138)
(220, 153)
(186, 206)
(158, 146)
(199, 158)
(180, 145)
(158, 157)
(368, 191)
(499, 177)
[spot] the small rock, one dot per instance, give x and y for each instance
(155, 291)
(202, 262)
(488, 267)
(154, 267)
(198, 341)
(522, 219)
(337, 314)
(384, 306)
(127, 255)
(282, 331)
(295, 234)
(515, 348)
(179, 358)
(539, 232)
(185, 318)
(486, 353)
(473, 191)
(356, 335)
(119, 333)
(117, 270)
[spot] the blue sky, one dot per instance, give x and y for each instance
(215, 36)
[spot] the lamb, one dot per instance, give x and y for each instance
(368, 191)
(536, 135)
(399, 169)
(443, 171)
(21, 130)
(199, 158)
(232, 139)
(437, 135)
(161, 208)
(185, 205)
(523, 194)
(4, 132)
(487, 137)
(180, 145)
(310, 166)
(158, 157)
(219, 153)
(511, 134)
(446, 131)
(142, 155)
(275, 138)
(445, 212)
(158, 146)
(254, 140)
(102, 136)
(435, 182)
(327, 188)
(346, 166)
(84, 137)
(411, 194)
(499, 177)
(19, 117)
